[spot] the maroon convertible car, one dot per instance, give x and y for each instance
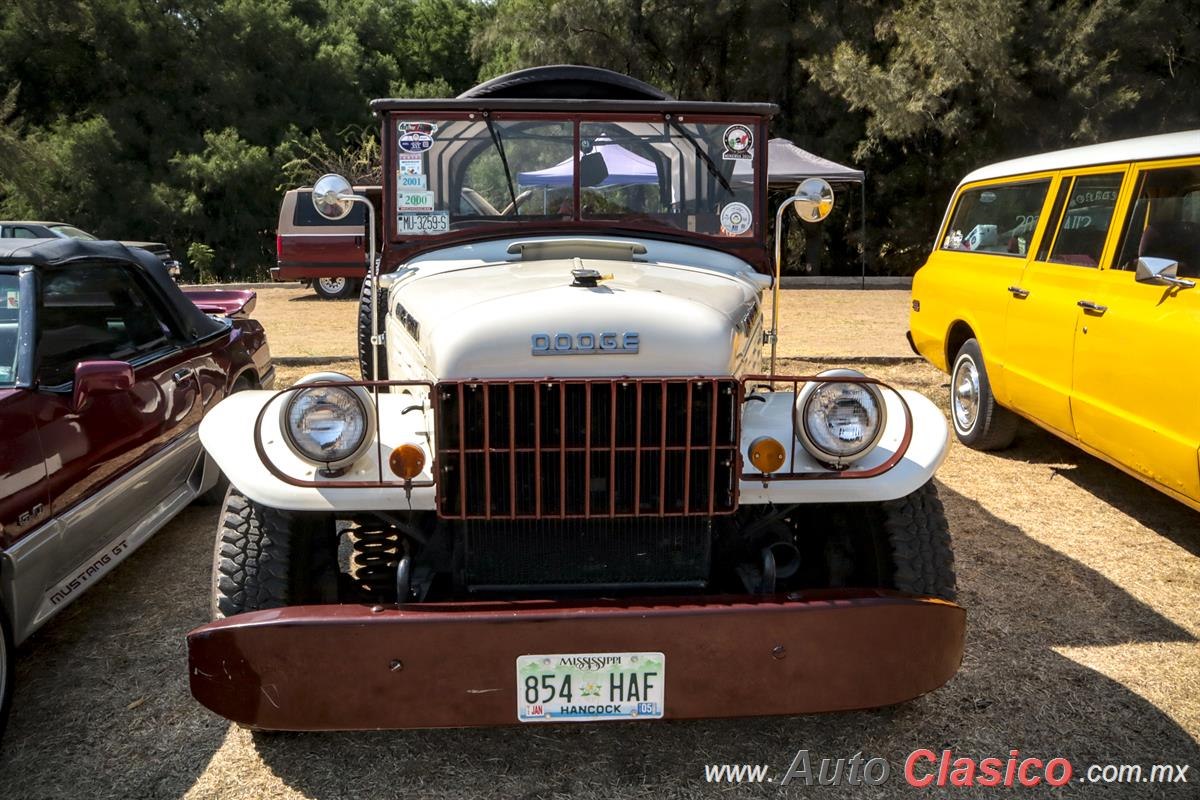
(106, 368)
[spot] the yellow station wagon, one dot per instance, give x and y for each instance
(1062, 288)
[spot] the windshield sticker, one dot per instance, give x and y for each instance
(6, 374)
(739, 143)
(405, 181)
(416, 137)
(12, 300)
(414, 201)
(410, 164)
(736, 219)
(423, 224)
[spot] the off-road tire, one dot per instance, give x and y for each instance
(919, 537)
(364, 333)
(268, 558)
(6, 670)
(994, 426)
(347, 290)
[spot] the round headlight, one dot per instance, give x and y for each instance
(839, 422)
(329, 425)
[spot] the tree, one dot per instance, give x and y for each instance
(174, 120)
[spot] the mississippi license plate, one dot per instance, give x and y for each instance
(586, 687)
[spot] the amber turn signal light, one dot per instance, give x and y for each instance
(407, 461)
(767, 454)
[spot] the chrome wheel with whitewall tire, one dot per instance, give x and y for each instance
(979, 422)
(964, 393)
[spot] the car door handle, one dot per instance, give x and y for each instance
(1095, 308)
(181, 375)
(1018, 292)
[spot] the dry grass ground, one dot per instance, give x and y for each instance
(814, 322)
(1080, 585)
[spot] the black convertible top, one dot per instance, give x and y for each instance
(58, 252)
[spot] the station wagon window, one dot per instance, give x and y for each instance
(1083, 228)
(1163, 220)
(997, 219)
(94, 312)
(10, 304)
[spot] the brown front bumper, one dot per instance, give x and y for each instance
(353, 667)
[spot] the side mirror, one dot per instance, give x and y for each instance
(813, 199)
(100, 377)
(1160, 272)
(592, 169)
(329, 197)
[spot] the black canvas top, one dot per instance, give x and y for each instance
(57, 252)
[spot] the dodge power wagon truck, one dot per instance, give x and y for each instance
(566, 486)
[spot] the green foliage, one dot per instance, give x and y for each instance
(916, 92)
(200, 258)
(182, 121)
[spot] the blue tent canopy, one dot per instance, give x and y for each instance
(624, 168)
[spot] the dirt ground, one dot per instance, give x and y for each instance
(1080, 585)
(815, 323)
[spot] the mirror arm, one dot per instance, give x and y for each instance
(373, 271)
(774, 335)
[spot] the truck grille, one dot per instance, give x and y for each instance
(586, 554)
(626, 447)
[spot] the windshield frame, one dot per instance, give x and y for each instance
(26, 323)
(751, 248)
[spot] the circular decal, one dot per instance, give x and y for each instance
(736, 219)
(738, 141)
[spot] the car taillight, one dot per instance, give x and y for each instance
(278, 247)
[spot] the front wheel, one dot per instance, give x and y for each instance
(366, 350)
(979, 421)
(919, 537)
(334, 288)
(269, 558)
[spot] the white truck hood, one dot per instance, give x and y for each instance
(480, 321)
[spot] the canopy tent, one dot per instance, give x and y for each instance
(788, 165)
(624, 168)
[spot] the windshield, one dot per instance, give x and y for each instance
(71, 232)
(643, 171)
(10, 304)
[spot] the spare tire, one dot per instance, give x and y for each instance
(567, 81)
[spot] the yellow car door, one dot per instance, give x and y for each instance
(1051, 303)
(981, 254)
(1135, 376)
